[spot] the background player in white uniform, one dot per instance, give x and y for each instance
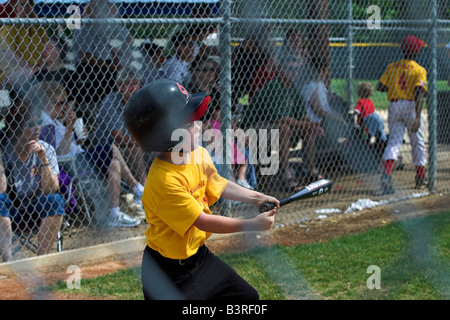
(405, 82)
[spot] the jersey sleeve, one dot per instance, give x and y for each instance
(422, 79)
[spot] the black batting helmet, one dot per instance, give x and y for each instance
(159, 108)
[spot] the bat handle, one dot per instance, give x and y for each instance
(266, 206)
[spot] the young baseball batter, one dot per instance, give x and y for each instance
(180, 188)
(405, 82)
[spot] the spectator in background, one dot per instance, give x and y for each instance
(32, 175)
(5, 220)
(177, 66)
(111, 126)
(279, 105)
(96, 60)
(366, 115)
(22, 45)
(53, 68)
(106, 158)
(199, 32)
(205, 72)
(248, 57)
(266, 72)
(294, 45)
(240, 163)
(154, 59)
(447, 47)
(316, 95)
(205, 76)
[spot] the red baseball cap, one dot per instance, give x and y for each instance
(411, 44)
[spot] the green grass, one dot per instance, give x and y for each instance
(413, 257)
(339, 86)
(121, 285)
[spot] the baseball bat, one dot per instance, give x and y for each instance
(311, 190)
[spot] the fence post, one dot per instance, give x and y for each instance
(432, 100)
(350, 53)
(225, 93)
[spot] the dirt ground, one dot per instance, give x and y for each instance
(26, 287)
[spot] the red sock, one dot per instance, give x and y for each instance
(388, 166)
(420, 170)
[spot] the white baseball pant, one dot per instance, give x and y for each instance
(401, 115)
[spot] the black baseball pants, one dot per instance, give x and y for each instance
(200, 277)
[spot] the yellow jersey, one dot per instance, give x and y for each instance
(27, 41)
(402, 77)
(174, 197)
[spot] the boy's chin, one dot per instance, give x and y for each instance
(194, 147)
(188, 149)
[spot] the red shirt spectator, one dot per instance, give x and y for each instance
(6, 11)
(363, 108)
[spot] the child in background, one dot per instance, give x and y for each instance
(240, 161)
(366, 116)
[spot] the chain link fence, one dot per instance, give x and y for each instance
(296, 98)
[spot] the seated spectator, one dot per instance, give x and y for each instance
(177, 66)
(366, 115)
(447, 49)
(247, 58)
(154, 59)
(106, 158)
(111, 126)
(294, 45)
(266, 72)
(199, 32)
(5, 220)
(240, 163)
(53, 68)
(205, 72)
(316, 94)
(22, 45)
(205, 76)
(279, 105)
(96, 60)
(317, 97)
(32, 171)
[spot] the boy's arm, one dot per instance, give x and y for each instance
(2, 175)
(419, 94)
(220, 224)
(234, 191)
(381, 87)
